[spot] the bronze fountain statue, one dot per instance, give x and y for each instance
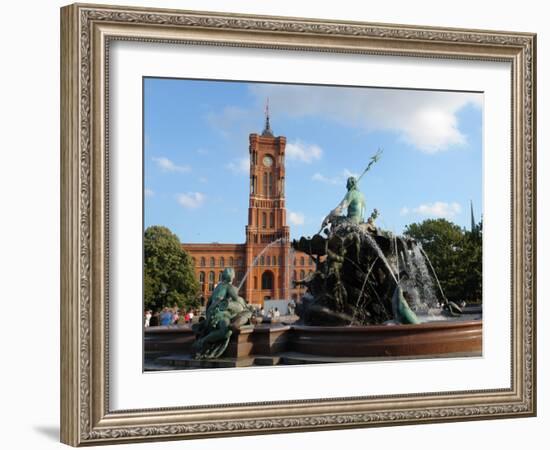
(225, 312)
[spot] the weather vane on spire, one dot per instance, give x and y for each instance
(267, 130)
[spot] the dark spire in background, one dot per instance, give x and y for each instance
(267, 129)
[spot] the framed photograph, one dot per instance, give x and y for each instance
(276, 224)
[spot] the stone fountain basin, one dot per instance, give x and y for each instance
(443, 338)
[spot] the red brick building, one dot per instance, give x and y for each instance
(267, 233)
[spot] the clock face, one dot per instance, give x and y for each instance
(268, 161)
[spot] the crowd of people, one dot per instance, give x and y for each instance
(180, 316)
(169, 316)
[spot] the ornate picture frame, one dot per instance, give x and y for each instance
(87, 32)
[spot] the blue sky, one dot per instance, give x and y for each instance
(196, 153)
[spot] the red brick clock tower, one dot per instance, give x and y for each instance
(270, 278)
(267, 218)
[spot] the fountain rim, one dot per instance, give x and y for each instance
(390, 328)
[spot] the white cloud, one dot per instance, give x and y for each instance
(148, 192)
(167, 165)
(426, 120)
(303, 152)
(296, 218)
(436, 209)
(191, 200)
(323, 179)
(239, 166)
(339, 179)
(203, 179)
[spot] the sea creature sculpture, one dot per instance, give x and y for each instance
(402, 312)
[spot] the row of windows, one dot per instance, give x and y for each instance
(221, 262)
(267, 278)
(270, 260)
(278, 261)
(264, 261)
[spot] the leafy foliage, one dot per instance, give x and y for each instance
(168, 271)
(456, 255)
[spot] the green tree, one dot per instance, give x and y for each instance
(472, 274)
(169, 276)
(455, 255)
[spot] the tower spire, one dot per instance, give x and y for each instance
(267, 129)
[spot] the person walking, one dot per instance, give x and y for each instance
(166, 317)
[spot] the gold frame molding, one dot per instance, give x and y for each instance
(86, 31)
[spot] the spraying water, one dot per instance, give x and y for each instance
(452, 308)
(423, 278)
(374, 245)
(255, 262)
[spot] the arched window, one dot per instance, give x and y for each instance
(265, 184)
(201, 278)
(267, 280)
(262, 260)
(264, 220)
(222, 262)
(231, 261)
(255, 282)
(270, 184)
(194, 262)
(211, 278)
(268, 260)
(271, 220)
(302, 261)
(203, 261)
(220, 276)
(293, 275)
(212, 262)
(302, 274)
